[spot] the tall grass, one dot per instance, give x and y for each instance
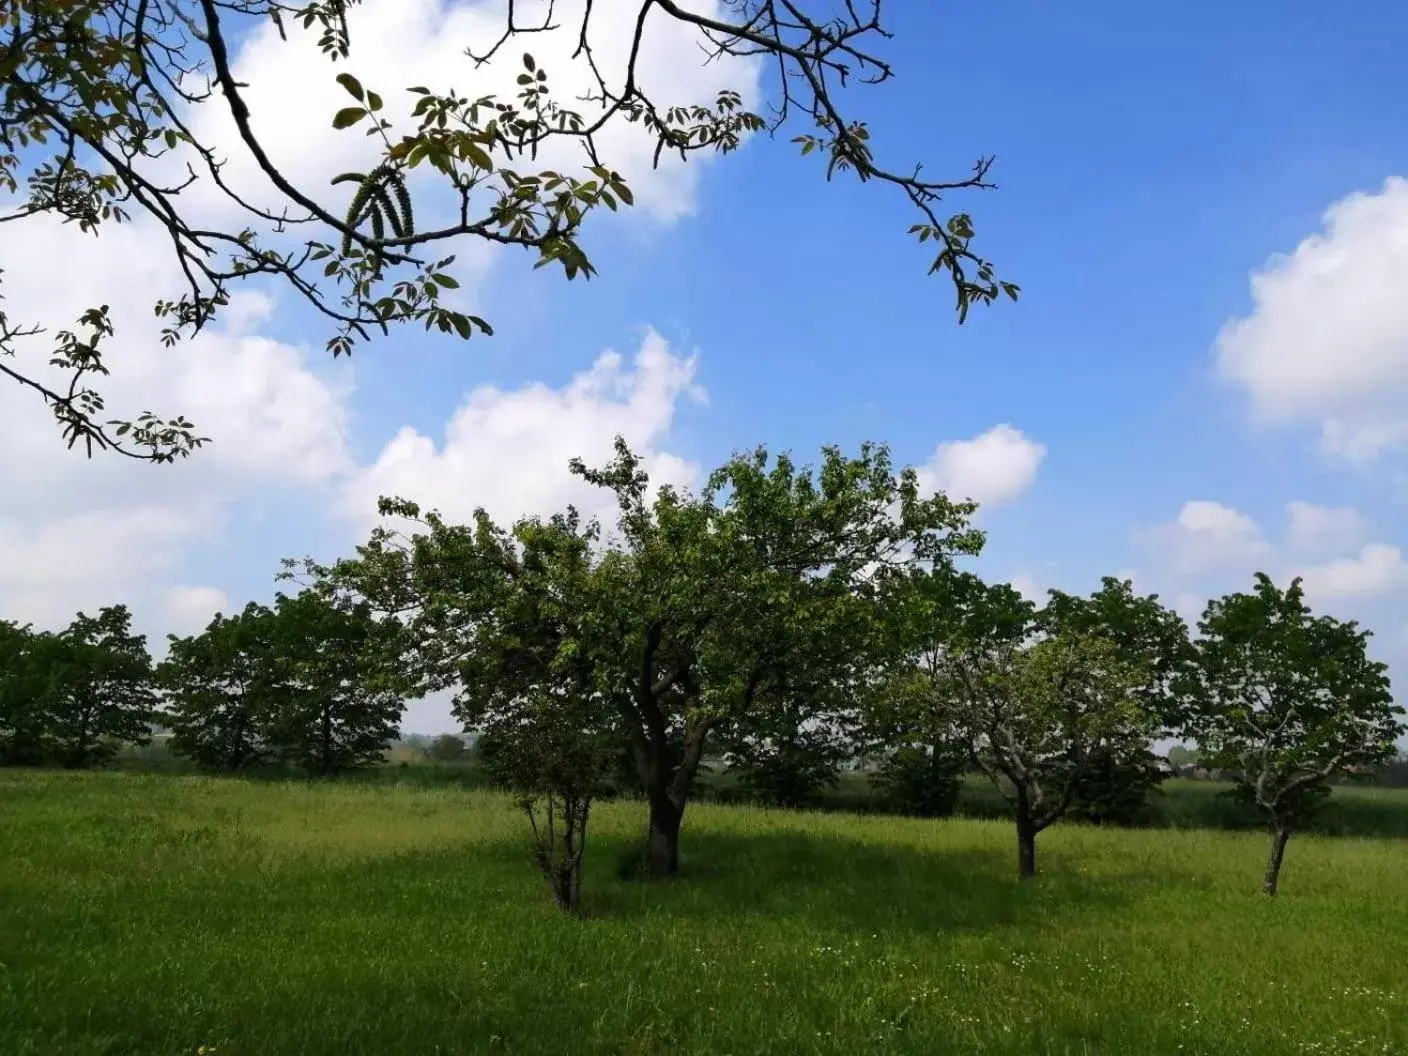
(156, 914)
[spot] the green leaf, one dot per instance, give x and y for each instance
(448, 282)
(528, 63)
(348, 116)
(353, 86)
(373, 102)
(479, 156)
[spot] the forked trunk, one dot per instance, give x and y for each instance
(1273, 864)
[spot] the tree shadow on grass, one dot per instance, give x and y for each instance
(839, 883)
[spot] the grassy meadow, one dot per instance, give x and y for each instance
(145, 913)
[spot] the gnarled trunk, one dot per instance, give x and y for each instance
(1273, 864)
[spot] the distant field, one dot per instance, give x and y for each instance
(156, 914)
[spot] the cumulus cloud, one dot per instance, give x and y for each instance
(188, 610)
(52, 567)
(1027, 586)
(1207, 535)
(1327, 338)
(1378, 569)
(994, 467)
(507, 451)
(1315, 530)
(82, 532)
(1212, 549)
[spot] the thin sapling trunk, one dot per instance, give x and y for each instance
(559, 840)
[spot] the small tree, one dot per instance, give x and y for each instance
(1037, 701)
(1287, 701)
(1114, 788)
(1181, 756)
(219, 688)
(100, 689)
(553, 759)
(922, 780)
(336, 699)
(529, 684)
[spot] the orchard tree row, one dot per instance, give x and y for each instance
(783, 618)
(300, 683)
(784, 605)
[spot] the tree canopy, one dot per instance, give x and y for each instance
(99, 690)
(1037, 695)
(1287, 700)
(696, 613)
(220, 687)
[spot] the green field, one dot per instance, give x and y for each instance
(157, 914)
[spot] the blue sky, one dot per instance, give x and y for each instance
(1151, 158)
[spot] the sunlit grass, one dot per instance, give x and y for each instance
(156, 914)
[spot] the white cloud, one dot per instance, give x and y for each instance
(993, 467)
(83, 532)
(507, 451)
(1190, 607)
(1378, 569)
(1313, 530)
(1212, 549)
(189, 610)
(52, 567)
(1028, 587)
(1327, 338)
(1208, 535)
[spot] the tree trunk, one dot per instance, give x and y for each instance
(1026, 848)
(1273, 864)
(663, 841)
(566, 885)
(327, 742)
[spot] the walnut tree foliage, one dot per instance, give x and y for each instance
(99, 102)
(1287, 701)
